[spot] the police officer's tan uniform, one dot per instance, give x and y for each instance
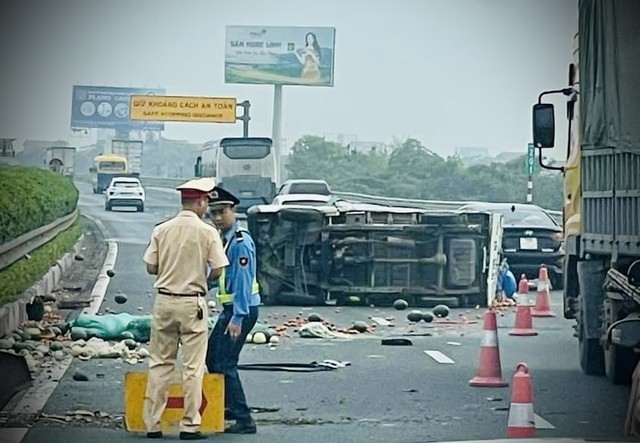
(181, 248)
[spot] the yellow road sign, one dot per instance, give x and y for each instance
(183, 109)
(212, 408)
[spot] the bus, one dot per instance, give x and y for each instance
(105, 167)
(246, 167)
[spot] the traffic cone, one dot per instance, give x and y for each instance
(521, 423)
(489, 373)
(543, 300)
(524, 322)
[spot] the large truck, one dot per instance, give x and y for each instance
(132, 151)
(373, 254)
(61, 159)
(601, 213)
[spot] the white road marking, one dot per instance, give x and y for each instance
(541, 423)
(439, 357)
(381, 321)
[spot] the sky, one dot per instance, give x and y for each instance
(451, 73)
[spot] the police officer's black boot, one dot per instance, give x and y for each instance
(242, 427)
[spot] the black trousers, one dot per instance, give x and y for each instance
(223, 353)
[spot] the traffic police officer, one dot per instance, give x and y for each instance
(180, 251)
(238, 293)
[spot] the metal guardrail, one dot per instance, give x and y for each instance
(170, 182)
(159, 182)
(17, 248)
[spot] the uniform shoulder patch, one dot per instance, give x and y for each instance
(239, 236)
(243, 261)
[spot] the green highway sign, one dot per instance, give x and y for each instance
(531, 158)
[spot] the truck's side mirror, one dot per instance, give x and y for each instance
(544, 128)
(197, 168)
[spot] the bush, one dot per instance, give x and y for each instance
(22, 274)
(31, 198)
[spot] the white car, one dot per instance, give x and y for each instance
(302, 199)
(305, 186)
(123, 192)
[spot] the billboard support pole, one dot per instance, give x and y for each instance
(277, 118)
(245, 118)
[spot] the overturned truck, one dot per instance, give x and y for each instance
(370, 254)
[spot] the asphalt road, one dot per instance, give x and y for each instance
(387, 394)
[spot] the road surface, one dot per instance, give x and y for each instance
(387, 394)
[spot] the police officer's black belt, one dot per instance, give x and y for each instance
(174, 294)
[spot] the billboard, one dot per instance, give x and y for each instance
(108, 107)
(276, 55)
(183, 109)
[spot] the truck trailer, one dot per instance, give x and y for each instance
(601, 213)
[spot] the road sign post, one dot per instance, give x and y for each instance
(531, 161)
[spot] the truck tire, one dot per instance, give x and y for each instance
(591, 353)
(619, 364)
(591, 278)
(107, 207)
(140, 208)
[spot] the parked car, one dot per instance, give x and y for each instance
(305, 186)
(125, 192)
(302, 199)
(532, 237)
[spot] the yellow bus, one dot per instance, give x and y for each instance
(104, 168)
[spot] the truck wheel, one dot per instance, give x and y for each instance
(107, 207)
(591, 353)
(619, 364)
(140, 208)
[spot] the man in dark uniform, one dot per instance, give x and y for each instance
(239, 296)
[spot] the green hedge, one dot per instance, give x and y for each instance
(32, 197)
(22, 274)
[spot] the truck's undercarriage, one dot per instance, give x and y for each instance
(372, 254)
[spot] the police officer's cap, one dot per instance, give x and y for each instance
(221, 198)
(197, 188)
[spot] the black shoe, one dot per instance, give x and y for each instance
(242, 428)
(155, 434)
(192, 436)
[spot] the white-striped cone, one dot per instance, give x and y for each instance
(521, 422)
(489, 374)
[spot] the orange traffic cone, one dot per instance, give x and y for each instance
(521, 422)
(543, 300)
(489, 373)
(524, 322)
(523, 285)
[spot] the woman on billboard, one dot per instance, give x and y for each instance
(309, 58)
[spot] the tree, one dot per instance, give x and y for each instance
(413, 171)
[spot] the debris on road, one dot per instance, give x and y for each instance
(121, 298)
(400, 304)
(396, 342)
(441, 311)
(319, 330)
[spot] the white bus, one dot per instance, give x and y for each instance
(246, 167)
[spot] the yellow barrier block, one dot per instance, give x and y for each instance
(212, 409)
